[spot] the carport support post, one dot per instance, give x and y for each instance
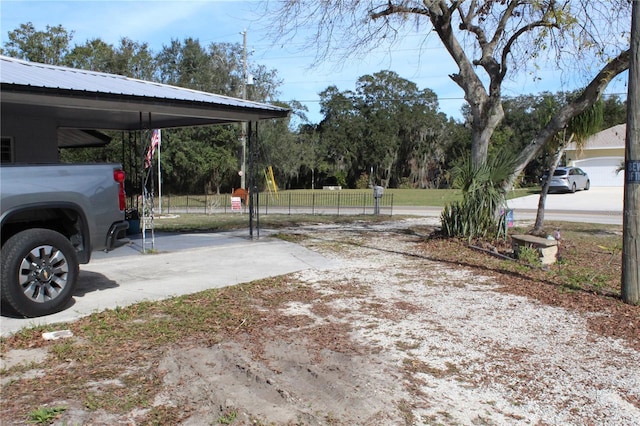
(253, 188)
(631, 222)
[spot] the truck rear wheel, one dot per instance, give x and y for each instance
(39, 272)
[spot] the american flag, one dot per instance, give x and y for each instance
(155, 141)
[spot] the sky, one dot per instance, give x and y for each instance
(158, 22)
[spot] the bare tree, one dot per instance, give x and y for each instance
(488, 40)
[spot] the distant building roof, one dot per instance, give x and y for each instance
(78, 97)
(611, 138)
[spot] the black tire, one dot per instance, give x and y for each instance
(588, 185)
(573, 188)
(39, 272)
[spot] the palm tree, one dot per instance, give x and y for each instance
(579, 129)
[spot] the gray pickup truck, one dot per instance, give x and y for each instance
(53, 217)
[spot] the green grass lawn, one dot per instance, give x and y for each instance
(400, 197)
(441, 197)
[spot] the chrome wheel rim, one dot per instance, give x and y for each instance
(43, 273)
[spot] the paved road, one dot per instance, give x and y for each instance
(598, 205)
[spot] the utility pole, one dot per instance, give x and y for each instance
(631, 220)
(243, 137)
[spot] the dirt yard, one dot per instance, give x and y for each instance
(386, 335)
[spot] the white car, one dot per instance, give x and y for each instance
(568, 179)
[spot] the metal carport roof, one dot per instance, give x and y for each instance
(83, 99)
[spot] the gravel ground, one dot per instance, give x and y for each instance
(472, 354)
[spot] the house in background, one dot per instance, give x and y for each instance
(600, 156)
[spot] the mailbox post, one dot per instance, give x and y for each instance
(377, 194)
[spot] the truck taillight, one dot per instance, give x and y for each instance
(118, 176)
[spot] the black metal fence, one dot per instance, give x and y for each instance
(308, 202)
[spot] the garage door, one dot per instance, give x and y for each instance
(602, 171)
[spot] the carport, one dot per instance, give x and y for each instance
(45, 107)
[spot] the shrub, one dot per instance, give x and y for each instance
(363, 181)
(477, 215)
(529, 255)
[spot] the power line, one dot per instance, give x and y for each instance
(446, 98)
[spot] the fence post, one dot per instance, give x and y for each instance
(266, 203)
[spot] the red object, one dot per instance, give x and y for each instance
(118, 176)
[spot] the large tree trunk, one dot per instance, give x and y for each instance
(486, 106)
(388, 168)
(486, 117)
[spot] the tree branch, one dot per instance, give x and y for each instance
(587, 98)
(393, 9)
(514, 38)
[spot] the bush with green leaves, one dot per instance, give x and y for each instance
(483, 192)
(529, 255)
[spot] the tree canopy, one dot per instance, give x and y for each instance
(488, 40)
(387, 128)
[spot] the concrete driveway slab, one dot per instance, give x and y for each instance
(183, 264)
